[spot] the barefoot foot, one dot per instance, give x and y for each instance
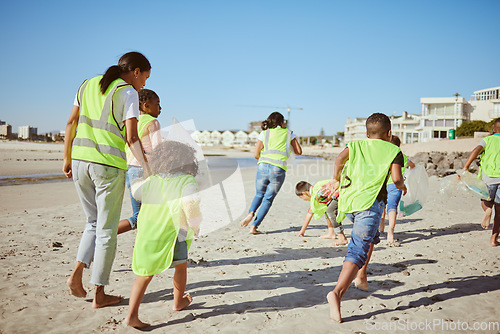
(247, 220)
(361, 284)
(339, 243)
(183, 303)
(253, 230)
(485, 222)
(334, 302)
(494, 241)
(104, 300)
(135, 323)
(76, 288)
(329, 236)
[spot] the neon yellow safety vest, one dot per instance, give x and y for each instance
(363, 177)
(276, 149)
(98, 137)
(159, 222)
(490, 159)
(144, 120)
(403, 168)
(317, 208)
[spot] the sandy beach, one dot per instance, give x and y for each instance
(445, 276)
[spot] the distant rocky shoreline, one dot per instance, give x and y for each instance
(436, 163)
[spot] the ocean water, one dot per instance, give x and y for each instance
(215, 163)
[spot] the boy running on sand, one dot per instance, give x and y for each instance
(489, 169)
(320, 207)
(362, 198)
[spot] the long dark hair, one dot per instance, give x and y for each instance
(128, 62)
(274, 120)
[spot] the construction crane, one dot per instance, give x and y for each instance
(288, 109)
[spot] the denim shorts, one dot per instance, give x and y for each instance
(393, 197)
(494, 191)
(180, 253)
(364, 232)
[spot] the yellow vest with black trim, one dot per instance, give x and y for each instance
(276, 149)
(490, 159)
(159, 222)
(364, 175)
(98, 137)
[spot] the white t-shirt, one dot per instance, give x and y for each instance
(125, 104)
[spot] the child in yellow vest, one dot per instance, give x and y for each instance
(489, 171)
(320, 205)
(168, 220)
(363, 193)
(149, 132)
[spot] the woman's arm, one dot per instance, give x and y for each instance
(70, 134)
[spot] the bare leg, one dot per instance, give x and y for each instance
(124, 226)
(392, 226)
(382, 223)
(488, 210)
(331, 233)
(361, 281)
(138, 290)
(496, 227)
(181, 300)
(74, 282)
(347, 275)
(247, 220)
(101, 299)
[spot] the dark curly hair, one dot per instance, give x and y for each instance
(274, 120)
(378, 124)
(146, 95)
(171, 157)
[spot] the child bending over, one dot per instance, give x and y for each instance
(321, 206)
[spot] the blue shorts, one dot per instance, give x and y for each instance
(180, 253)
(494, 192)
(364, 233)
(393, 197)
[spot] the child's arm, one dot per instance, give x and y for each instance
(307, 220)
(397, 177)
(296, 146)
(258, 148)
(473, 155)
(340, 161)
(191, 208)
(154, 133)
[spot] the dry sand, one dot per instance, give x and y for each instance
(445, 273)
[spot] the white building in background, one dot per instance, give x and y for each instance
(215, 137)
(196, 135)
(440, 114)
(27, 132)
(406, 127)
(253, 137)
(354, 129)
(240, 138)
(485, 104)
(227, 138)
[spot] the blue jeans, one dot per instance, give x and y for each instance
(133, 173)
(393, 197)
(268, 183)
(494, 192)
(364, 232)
(100, 189)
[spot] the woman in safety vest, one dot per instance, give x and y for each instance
(273, 150)
(103, 119)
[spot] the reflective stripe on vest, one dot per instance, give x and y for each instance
(99, 140)
(266, 150)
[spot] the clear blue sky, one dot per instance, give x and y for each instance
(217, 62)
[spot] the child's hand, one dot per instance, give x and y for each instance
(301, 234)
(404, 189)
(331, 187)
